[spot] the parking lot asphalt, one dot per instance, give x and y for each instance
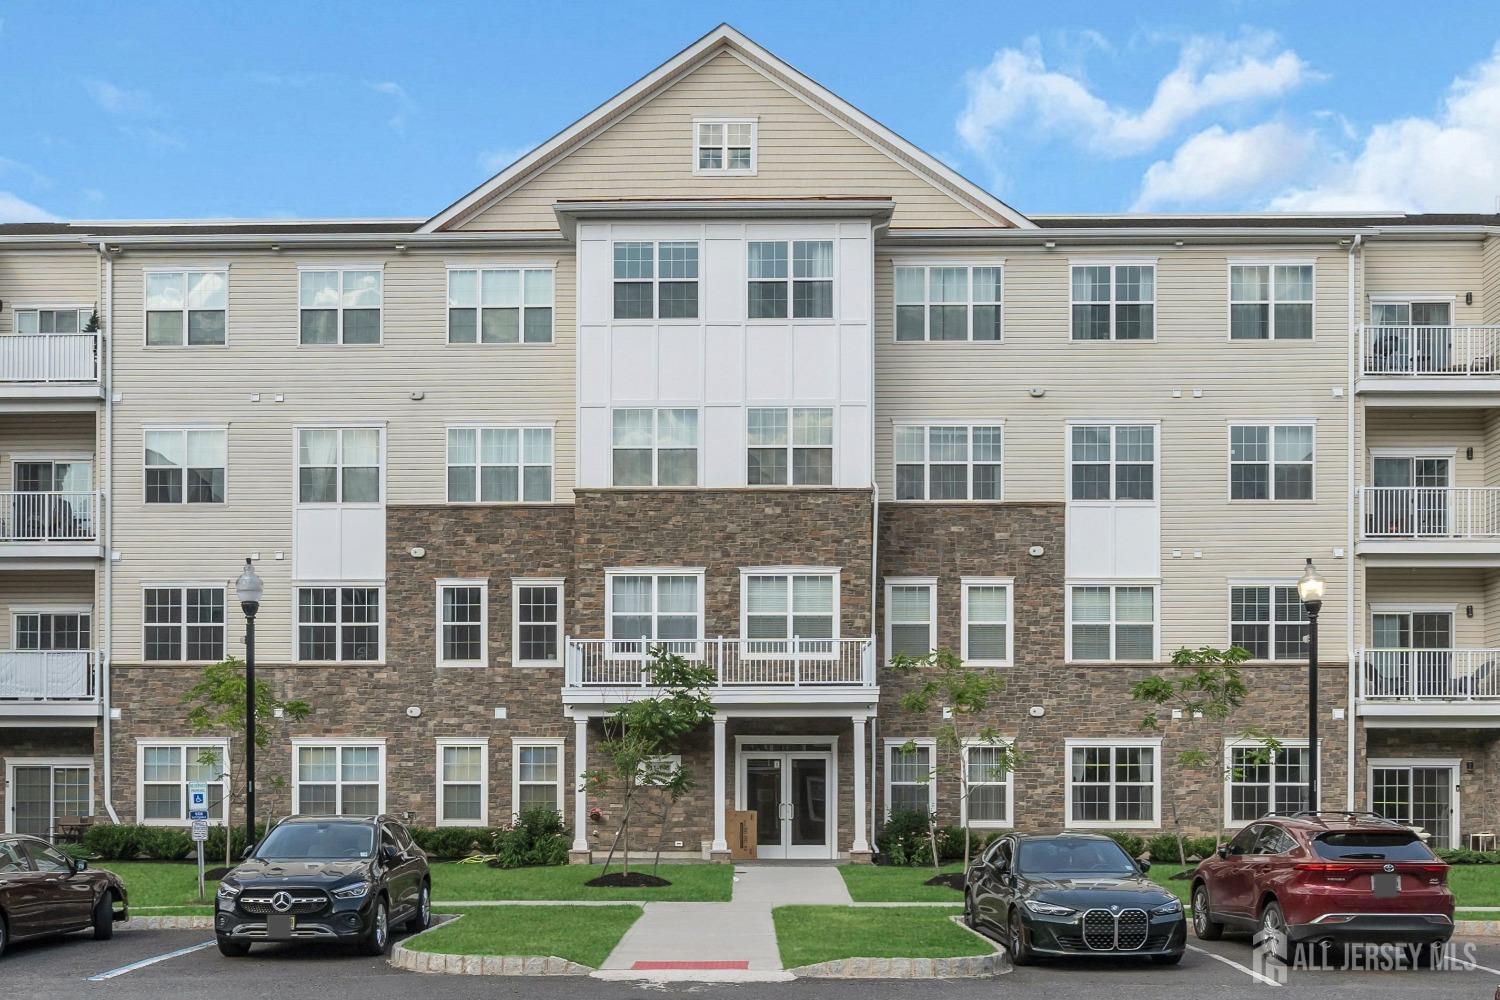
(69, 967)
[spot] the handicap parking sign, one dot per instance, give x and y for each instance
(197, 800)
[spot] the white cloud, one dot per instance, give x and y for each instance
(1017, 90)
(405, 106)
(16, 209)
(1450, 162)
(122, 101)
(1216, 166)
(492, 161)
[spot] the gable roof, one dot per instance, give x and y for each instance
(723, 37)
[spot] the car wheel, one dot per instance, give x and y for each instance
(1273, 933)
(970, 921)
(1204, 925)
(1426, 956)
(1171, 959)
(379, 935)
(3, 937)
(1020, 951)
(422, 919)
(230, 948)
(104, 917)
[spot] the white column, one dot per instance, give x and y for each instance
(719, 844)
(860, 844)
(580, 771)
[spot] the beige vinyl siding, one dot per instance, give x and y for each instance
(1490, 297)
(23, 588)
(45, 435)
(649, 154)
(1452, 587)
(1438, 267)
(1240, 381)
(502, 384)
(62, 277)
(1446, 429)
(1492, 609)
(1491, 422)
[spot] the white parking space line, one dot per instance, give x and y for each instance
(1236, 965)
(133, 966)
(1471, 965)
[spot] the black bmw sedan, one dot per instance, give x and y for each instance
(1072, 894)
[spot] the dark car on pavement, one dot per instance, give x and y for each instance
(325, 878)
(1339, 877)
(44, 891)
(1072, 894)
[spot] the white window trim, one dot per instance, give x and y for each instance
(930, 582)
(1010, 789)
(893, 745)
(1153, 583)
(185, 270)
(656, 448)
(11, 763)
(141, 745)
(790, 281)
(1113, 423)
(653, 571)
(1229, 747)
(183, 429)
(336, 425)
(23, 307)
(516, 584)
(299, 742)
(1009, 583)
(1156, 781)
(516, 743)
(927, 462)
(726, 170)
(790, 448)
(1272, 622)
(480, 268)
(341, 267)
(1112, 263)
(338, 623)
(1272, 302)
(17, 611)
(182, 625)
(656, 319)
(484, 621)
(484, 780)
(926, 265)
(746, 572)
(521, 464)
(1270, 462)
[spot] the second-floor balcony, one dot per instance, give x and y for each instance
(49, 364)
(1396, 684)
(49, 682)
(55, 522)
(1429, 512)
(1430, 351)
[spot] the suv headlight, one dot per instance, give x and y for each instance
(1048, 909)
(1170, 906)
(228, 890)
(356, 891)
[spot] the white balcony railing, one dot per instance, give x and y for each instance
(34, 675)
(49, 357)
(790, 663)
(1430, 350)
(49, 517)
(1429, 511)
(1429, 675)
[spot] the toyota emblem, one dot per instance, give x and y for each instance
(1389, 868)
(281, 902)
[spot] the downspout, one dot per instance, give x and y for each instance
(1351, 723)
(874, 743)
(106, 376)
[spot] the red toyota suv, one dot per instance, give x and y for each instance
(1310, 877)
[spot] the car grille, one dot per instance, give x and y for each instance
(1123, 931)
(296, 901)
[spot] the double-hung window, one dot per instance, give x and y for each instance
(163, 770)
(1113, 783)
(500, 465)
(1271, 461)
(782, 606)
(796, 274)
(463, 776)
(789, 446)
(1111, 622)
(1114, 301)
(509, 305)
(338, 465)
(1270, 301)
(987, 621)
(724, 146)
(656, 447)
(186, 307)
(1112, 462)
(646, 607)
(463, 618)
(949, 302)
(949, 461)
(656, 280)
(988, 767)
(1259, 780)
(537, 778)
(536, 632)
(336, 778)
(341, 306)
(910, 777)
(910, 616)
(1268, 620)
(60, 320)
(183, 624)
(339, 624)
(185, 465)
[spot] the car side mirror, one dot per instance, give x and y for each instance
(389, 854)
(1145, 865)
(1222, 851)
(80, 865)
(1001, 868)
(248, 852)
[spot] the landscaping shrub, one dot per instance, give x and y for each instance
(1133, 845)
(903, 839)
(1464, 856)
(453, 841)
(113, 841)
(537, 838)
(165, 843)
(1163, 848)
(1204, 847)
(213, 847)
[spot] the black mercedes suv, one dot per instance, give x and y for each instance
(325, 878)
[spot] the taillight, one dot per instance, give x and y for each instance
(1326, 867)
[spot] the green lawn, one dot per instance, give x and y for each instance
(161, 883)
(885, 884)
(690, 883)
(809, 934)
(582, 934)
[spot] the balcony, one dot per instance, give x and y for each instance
(1430, 525)
(1405, 363)
(51, 524)
(49, 683)
(1432, 684)
(49, 366)
(804, 671)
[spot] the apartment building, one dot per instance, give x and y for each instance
(730, 366)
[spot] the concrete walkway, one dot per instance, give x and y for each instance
(727, 942)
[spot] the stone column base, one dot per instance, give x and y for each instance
(719, 857)
(861, 857)
(580, 857)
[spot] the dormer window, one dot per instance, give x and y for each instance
(724, 146)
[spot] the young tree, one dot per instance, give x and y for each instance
(217, 703)
(641, 736)
(964, 693)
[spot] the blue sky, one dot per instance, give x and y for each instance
(319, 109)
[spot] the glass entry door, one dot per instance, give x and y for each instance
(1412, 496)
(789, 794)
(1413, 653)
(1420, 795)
(41, 792)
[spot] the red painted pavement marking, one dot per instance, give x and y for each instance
(659, 966)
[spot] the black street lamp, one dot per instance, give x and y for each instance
(248, 588)
(1310, 588)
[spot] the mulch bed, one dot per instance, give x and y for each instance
(627, 880)
(953, 880)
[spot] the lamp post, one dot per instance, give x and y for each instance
(248, 588)
(1310, 588)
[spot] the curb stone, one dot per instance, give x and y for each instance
(1476, 928)
(412, 960)
(179, 923)
(996, 963)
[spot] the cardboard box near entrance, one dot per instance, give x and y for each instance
(740, 830)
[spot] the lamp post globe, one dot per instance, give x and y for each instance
(1310, 588)
(249, 588)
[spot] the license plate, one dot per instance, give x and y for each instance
(279, 926)
(1385, 884)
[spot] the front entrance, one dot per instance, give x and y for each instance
(789, 785)
(40, 791)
